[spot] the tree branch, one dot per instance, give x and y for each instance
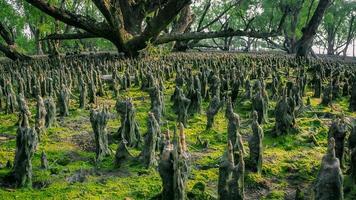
(218, 34)
(69, 36)
(206, 8)
(79, 21)
(153, 5)
(275, 45)
(206, 35)
(154, 27)
(219, 16)
(6, 34)
(104, 9)
(309, 11)
(12, 53)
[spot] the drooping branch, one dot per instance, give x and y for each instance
(7, 34)
(248, 24)
(281, 22)
(220, 15)
(70, 36)
(206, 35)
(275, 45)
(165, 38)
(205, 11)
(104, 8)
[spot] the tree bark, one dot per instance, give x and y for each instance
(305, 43)
(182, 25)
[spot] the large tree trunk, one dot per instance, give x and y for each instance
(305, 43)
(291, 40)
(182, 25)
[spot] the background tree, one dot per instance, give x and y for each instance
(61, 26)
(305, 43)
(130, 26)
(335, 24)
(9, 17)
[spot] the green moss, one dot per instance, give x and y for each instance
(275, 195)
(254, 180)
(288, 160)
(349, 188)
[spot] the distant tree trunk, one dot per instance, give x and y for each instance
(38, 43)
(227, 43)
(331, 44)
(227, 40)
(36, 34)
(255, 45)
(305, 43)
(353, 48)
(331, 31)
(249, 43)
(350, 36)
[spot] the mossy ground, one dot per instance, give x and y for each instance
(289, 161)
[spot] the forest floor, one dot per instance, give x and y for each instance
(289, 162)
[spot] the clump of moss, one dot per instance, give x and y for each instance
(254, 180)
(198, 193)
(275, 195)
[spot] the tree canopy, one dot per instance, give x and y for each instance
(35, 27)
